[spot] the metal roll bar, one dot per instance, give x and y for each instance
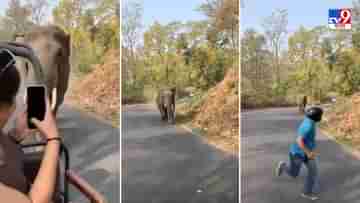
(25, 51)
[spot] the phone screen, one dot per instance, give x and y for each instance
(35, 103)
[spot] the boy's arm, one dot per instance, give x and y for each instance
(308, 152)
(304, 132)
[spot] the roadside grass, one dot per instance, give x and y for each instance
(342, 139)
(115, 119)
(186, 108)
(146, 94)
(183, 118)
(265, 100)
(345, 141)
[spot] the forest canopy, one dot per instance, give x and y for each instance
(193, 54)
(279, 68)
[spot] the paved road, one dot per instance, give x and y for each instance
(161, 163)
(265, 137)
(95, 151)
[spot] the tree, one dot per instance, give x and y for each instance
(275, 30)
(348, 72)
(224, 18)
(17, 17)
(254, 58)
(356, 24)
(68, 13)
(131, 25)
(38, 9)
(310, 51)
(355, 17)
(207, 65)
(131, 28)
(157, 45)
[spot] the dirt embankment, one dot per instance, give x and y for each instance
(99, 91)
(342, 120)
(218, 114)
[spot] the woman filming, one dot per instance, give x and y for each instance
(14, 187)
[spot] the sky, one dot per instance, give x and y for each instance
(308, 13)
(3, 6)
(165, 11)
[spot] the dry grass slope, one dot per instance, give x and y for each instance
(218, 115)
(99, 91)
(343, 120)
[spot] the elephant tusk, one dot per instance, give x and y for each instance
(54, 98)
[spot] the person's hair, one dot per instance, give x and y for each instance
(314, 113)
(9, 83)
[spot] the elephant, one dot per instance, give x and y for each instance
(165, 101)
(52, 46)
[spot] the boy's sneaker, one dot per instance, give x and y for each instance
(312, 197)
(280, 167)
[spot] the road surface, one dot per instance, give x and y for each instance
(94, 147)
(165, 164)
(265, 139)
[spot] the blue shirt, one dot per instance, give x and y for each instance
(307, 131)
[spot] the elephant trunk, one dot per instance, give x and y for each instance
(49, 67)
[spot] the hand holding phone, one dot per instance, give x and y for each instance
(45, 123)
(36, 103)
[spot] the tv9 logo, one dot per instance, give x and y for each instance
(339, 18)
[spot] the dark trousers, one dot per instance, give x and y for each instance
(293, 169)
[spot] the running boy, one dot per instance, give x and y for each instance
(303, 152)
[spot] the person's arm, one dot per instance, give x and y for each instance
(304, 132)
(42, 190)
(8, 194)
(300, 141)
(21, 129)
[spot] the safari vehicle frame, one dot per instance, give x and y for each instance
(33, 158)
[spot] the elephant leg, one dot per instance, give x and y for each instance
(173, 111)
(169, 114)
(162, 113)
(165, 113)
(160, 110)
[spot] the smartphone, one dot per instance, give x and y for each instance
(36, 103)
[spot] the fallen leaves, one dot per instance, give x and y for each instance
(100, 89)
(345, 119)
(219, 114)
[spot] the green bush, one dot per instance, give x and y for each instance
(132, 93)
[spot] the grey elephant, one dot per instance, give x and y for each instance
(52, 46)
(165, 101)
